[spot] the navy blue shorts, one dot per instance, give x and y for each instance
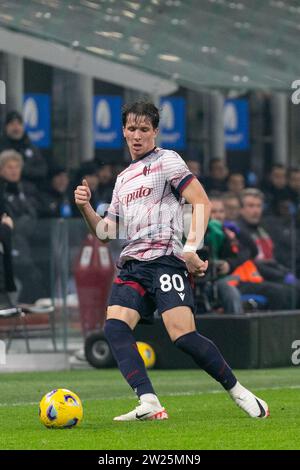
(146, 286)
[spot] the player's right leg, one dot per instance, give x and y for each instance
(118, 330)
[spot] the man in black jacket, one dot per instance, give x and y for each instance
(271, 270)
(56, 201)
(19, 201)
(15, 137)
(7, 282)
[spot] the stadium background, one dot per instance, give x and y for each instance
(223, 73)
(71, 65)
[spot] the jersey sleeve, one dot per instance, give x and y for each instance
(176, 171)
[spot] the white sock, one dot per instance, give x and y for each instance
(237, 390)
(150, 398)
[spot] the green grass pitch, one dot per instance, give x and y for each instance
(201, 415)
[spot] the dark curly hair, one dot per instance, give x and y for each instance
(141, 108)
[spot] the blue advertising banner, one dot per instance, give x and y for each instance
(107, 121)
(173, 123)
(236, 124)
(37, 118)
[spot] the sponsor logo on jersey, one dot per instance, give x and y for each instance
(138, 194)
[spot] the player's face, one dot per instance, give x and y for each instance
(140, 135)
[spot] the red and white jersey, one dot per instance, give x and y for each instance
(148, 205)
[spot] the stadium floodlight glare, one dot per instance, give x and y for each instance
(86, 63)
(2, 92)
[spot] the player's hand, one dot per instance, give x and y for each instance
(194, 264)
(82, 194)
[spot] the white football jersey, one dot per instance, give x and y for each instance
(148, 206)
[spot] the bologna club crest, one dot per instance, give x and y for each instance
(146, 170)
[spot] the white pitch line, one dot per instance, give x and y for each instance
(3, 405)
(172, 394)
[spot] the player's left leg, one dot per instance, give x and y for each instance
(180, 324)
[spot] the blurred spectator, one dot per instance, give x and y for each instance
(235, 183)
(89, 171)
(237, 246)
(15, 137)
(106, 183)
(251, 214)
(7, 281)
(20, 203)
(251, 221)
(232, 206)
(118, 168)
(195, 167)
(251, 179)
(294, 186)
(284, 224)
(57, 200)
(223, 258)
(218, 172)
(275, 188)
(236, 263)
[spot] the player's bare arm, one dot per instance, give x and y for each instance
(82, 195)
(195, 195)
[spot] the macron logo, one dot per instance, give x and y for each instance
(103, 115)
(31, 113)
(182, 296)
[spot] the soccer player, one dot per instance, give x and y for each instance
(147, 203)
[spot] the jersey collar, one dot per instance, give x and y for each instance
(144, 156)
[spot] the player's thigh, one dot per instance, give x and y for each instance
(179, 321)
(125, 314)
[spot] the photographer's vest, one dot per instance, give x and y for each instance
(246, 272)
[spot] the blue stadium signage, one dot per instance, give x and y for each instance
(37, 118)
(236, 124)
(173, 123)
(107, 121)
